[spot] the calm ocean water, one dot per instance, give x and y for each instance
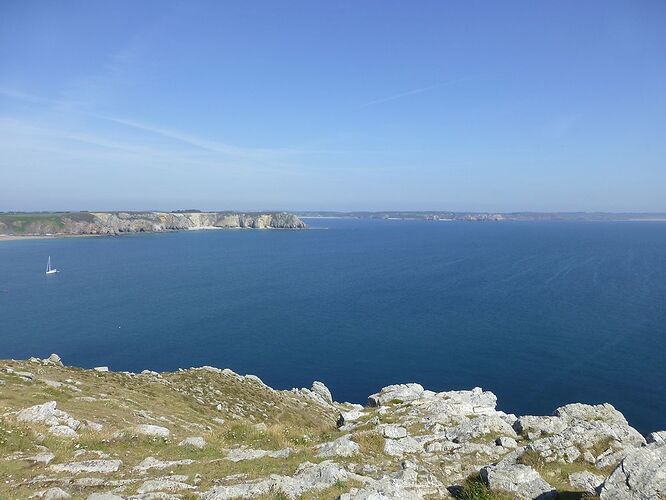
(540, 313)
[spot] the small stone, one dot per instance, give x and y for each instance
(394, 431)
(53, 494)
(341, 447)
(63, 431)
(42, 458)
(193, 441)
(104, 496)
(152, 430)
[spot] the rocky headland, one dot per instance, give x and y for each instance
(114, 223)
(213, 434)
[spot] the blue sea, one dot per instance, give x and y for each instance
(542, 314)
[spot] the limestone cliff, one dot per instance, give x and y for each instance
(213, 434)
(112, 223)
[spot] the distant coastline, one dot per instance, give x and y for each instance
(490, 216)
(30, 225)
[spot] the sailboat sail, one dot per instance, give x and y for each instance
(49, 270)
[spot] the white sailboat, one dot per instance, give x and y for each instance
(49, 269)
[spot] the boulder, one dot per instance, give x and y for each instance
(308, 477)
(520, 480)
(640, 476)
(55, 359)
(585, 481)
(47, 414)
(399, 393)
(483, 425)
(341, 447)
(399, 447)
(322, 391)
(534, 427)
(392, 431)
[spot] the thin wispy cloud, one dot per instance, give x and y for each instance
(409, 93)
(21, 96)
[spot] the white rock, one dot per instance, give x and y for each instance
(506, 442)
(193, 441)
(48, 415)
(322, 391)
(347, 417)
(104, 496)
(393, 431)
(308, 477)
(640, 476)
(239, 454)
(399, 447)
(657, 437)
(88, 424)
(481, 426)
(153, 463)
(101, 368)
(42, 458)
(341, 447)
(98, 466)
(152, 430)
(63, 431)
(53, 494)
(167, 485)
(521, 480)
(55, 359)
(585, 481)
(396, 393)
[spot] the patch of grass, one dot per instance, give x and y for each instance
(475, 488)
(371, 442)
(533, 459)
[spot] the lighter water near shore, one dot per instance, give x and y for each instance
(542, 314)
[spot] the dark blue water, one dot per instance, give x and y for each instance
(540, 313)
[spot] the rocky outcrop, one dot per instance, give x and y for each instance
(113, 223)
(213, 434)
(641, 475)
(521, 480)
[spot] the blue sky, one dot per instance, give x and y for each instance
(356, 105)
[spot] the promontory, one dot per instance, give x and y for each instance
(113, 223)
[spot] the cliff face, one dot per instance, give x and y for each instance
(213, 434)
(134, 222)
